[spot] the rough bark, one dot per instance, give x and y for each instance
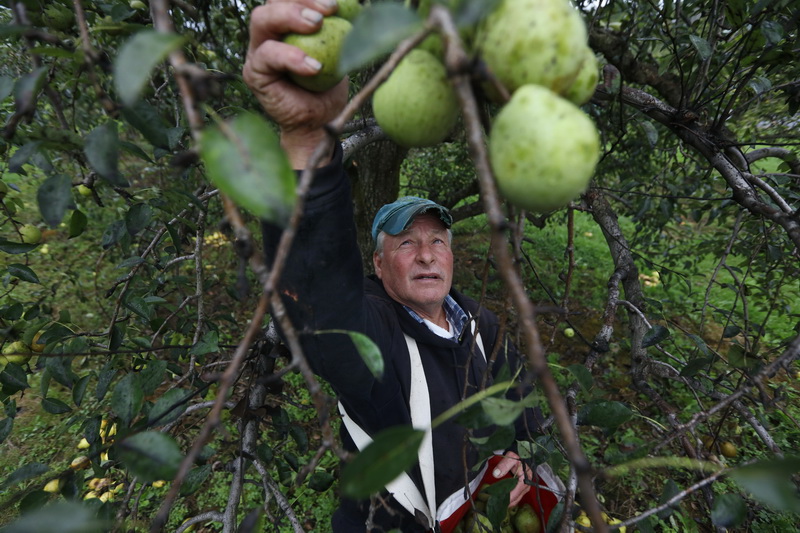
(375, 178)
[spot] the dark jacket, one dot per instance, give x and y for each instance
(323, 288)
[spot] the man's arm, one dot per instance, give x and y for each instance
(300, 114)
(322, 284)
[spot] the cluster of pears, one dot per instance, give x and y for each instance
(518, 519)
(543, 148)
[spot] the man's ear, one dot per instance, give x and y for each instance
(376, 262)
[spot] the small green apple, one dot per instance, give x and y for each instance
(30, 234)
(324, 46)
(569, 333)
(83, 190)
(137, 4)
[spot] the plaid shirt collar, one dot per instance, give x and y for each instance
(455, 315)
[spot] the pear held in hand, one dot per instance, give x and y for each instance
(324, 46)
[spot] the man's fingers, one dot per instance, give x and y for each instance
(279, 17)
(273, 58)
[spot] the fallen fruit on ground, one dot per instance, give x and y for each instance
(416, 106)
(53, 486)
(543, 149)
(728, 449)
(324, 46)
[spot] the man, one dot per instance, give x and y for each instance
(439, 346)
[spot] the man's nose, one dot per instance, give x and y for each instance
(425, 254)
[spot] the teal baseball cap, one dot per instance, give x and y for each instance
(397, 216)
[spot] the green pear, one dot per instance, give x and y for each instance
(30, 234)
(533, 41)
(583, 87)
(349, 9)
(543, 149)
(416, 106)
(17, 352)
(526, 521)
(325, 46)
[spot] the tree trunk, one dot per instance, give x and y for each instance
(375, 178)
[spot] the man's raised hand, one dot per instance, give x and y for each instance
(300, 114)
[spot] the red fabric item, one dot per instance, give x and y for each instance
(539, 498)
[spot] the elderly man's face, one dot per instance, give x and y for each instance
(416, 266)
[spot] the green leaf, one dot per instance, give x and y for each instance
(377, 30)
(24, 472)
(6, 87)
(127, 398)
(300, 437)
(770, 482)
(695, 365)
(55, 197)
(14, 378)
(77, 223)
(195, 479)
(729, 510)
(152, 376)
(369, 352)
(393, 451)
(104, 379)
(23, 272)
(655, 335)
(731, 331)
(113, 233)
(146, 119)
(168, 407)
(502, 411)
(6, 426)
(54, 406)
(139, 306)
(670, 490)
(60, 369)
(102, 152)
(138, 217)
(59, 517)
(79, 390)
(582, 376)
(605, 414)
(208, 344)
(245, 161)
(27, 88)
(701, 45)
(136, 60)
(150, 456)
(320, 481)
(32, 501)
(22, 156)
(14, 248)
(467, 13)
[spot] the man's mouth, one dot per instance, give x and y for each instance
(427, 276)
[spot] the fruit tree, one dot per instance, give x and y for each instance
(625, 179)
